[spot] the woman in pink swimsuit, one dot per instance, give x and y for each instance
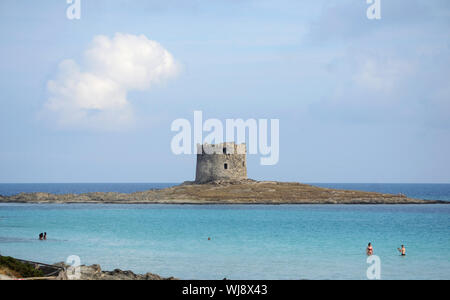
(369, 249)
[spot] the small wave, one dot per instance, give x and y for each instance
(14, 240)
(26, 240)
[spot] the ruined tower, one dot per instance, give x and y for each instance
(225, 161)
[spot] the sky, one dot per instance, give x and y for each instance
(93, 99)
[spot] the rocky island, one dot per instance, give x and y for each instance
(221, 178)
(226, 192)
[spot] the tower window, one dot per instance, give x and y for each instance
(224, 150)
(225, 166)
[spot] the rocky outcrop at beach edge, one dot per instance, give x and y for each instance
(94, 272)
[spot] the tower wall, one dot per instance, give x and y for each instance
(214, 164)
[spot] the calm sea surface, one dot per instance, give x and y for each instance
(247, 242)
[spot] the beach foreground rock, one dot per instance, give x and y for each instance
(12, 269)
(226, 192)
(95, 272)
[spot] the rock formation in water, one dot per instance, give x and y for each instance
(226, 192)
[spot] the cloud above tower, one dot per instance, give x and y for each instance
(93, 95)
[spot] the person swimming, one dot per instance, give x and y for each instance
(402, 250)
(45, 235)
(41, 236)
(369, 249)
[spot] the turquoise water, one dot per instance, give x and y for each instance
(247, 242)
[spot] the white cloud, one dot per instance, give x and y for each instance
(95, 96)
(381, 74)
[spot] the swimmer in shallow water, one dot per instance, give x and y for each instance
(369, 249)
(402, 250)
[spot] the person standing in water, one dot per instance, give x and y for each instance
(41, 236)
(369, 249)
(45, 235)
(402, 250)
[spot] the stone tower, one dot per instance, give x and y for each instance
(225, 161)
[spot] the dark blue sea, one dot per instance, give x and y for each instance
(413, 190)
(8, 189)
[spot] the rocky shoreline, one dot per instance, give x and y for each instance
(61, 271)
(94, 272)
(226, 192)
